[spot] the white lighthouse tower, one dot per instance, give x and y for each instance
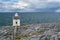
(16, 20)
(16, 24)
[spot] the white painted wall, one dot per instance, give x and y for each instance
(14, 22)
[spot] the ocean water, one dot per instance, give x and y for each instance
(6, 18)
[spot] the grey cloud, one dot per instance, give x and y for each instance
(34, 5)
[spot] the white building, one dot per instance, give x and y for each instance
(16, 20)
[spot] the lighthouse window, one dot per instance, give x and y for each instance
(16, 22)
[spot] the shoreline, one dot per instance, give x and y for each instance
(34, 24)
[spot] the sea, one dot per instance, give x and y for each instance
(6, 18)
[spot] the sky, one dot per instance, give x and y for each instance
(29, 5)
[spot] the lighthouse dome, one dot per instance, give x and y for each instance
(16, 16)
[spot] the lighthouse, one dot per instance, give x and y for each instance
(16, 25)
(16, 20)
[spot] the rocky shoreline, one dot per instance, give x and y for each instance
(42, 31)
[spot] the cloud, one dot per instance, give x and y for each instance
(53, 0)
(58, 10)
(20, 5)
(13, 6)
(29, 5)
